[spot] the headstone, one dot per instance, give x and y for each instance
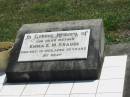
(69, 50)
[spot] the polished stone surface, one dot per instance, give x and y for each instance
(58, 45)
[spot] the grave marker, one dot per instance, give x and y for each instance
(70, 50)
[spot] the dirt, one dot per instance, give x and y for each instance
(125, 33)
(2, 49)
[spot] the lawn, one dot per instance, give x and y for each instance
(115, 14)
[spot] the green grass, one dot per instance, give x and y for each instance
(115, 14)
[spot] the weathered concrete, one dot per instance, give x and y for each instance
(76, 69)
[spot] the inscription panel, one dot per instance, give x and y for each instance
(55, 45)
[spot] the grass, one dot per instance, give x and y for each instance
(115, 14)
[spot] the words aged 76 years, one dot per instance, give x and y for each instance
(55, 45)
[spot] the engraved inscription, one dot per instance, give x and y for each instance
(55, 45)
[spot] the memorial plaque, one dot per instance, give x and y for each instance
(55, 51)
(55, 45)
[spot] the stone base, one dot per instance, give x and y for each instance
(57, 70)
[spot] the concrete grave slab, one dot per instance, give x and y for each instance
(81, 58)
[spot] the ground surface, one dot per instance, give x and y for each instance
(117, 50)
(112, 72)
(110, 84)
(115, 14)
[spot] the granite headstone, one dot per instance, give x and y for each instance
(55, 51)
